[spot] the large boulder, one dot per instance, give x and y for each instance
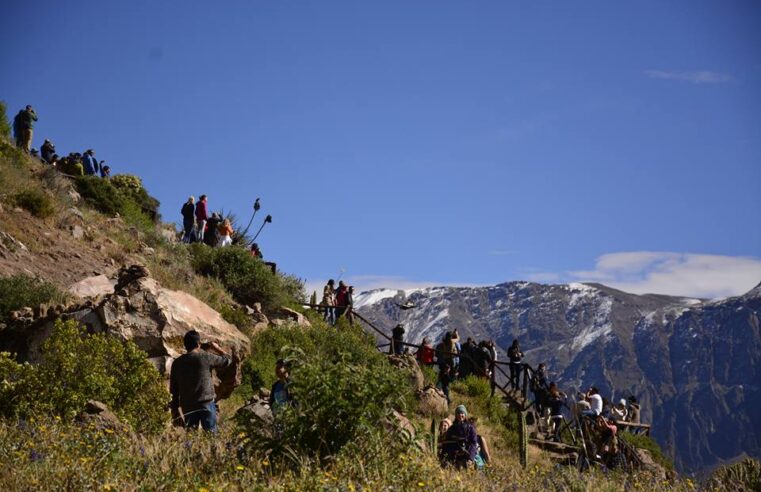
(98, 285)
(140, 310)
(408, 363)
(432, 402)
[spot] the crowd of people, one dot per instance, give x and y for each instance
(75, 163)
(337, 302)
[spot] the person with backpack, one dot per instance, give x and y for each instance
(468, 358)
(211, 236)
(444, 351)
(555, 401)
(202, 216)
(539, 388)
(23, 127)
(188, 220)
(515, 355)
(397, 339)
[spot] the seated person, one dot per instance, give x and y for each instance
(460, 444)
(618, 412)
(606, 437)
(595, 403)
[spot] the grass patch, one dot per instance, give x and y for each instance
(22, 290)
(36, 202)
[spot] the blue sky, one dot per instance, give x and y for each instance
(421, 143)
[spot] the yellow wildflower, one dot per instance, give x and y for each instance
(240, 467)
(421, 484)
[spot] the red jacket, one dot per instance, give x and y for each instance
(425, 354)
(202, 212)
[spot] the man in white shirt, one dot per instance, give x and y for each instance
(595, 403)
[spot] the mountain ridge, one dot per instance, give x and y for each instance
(626, 344)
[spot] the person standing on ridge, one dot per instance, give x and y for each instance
(202, 216)
(397, 339)
(515, 355)
(188, 219)
(23, 125)
(342, 300)
(225, 233)
(90, 163)
(191, 385)
(329, 301)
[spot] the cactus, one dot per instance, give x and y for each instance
(523, 437)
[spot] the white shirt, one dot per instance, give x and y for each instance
(595, 402)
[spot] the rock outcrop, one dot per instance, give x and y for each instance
(408, 364)
(140, 310)
(432, 402)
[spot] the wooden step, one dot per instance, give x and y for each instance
(554, 447)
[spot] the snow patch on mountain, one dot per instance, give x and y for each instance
(373, 296)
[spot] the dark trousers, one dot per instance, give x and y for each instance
(515, 374)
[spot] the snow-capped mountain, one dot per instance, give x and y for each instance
(695, 366)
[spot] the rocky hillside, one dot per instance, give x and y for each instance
(695, 366)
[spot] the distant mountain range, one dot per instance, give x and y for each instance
(695, 365)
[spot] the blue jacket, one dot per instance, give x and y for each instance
(90, 164)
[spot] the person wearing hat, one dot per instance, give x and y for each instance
(460, 443)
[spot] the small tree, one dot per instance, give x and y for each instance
(5, 127)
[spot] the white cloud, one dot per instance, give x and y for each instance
(699, 77)
(683, 274)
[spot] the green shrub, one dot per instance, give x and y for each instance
(247, 278)
(132, 188)
(79, 367)
(234, 315)
(743, 475)
(343, 387)
(37, 202)
(22, 290)
(5, 127)
(136, 207)
(642, 441)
